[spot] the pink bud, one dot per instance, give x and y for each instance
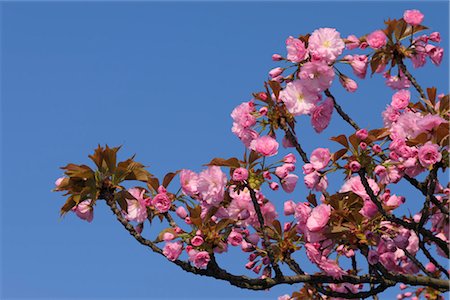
(263, 110)
(362, 134)
(277, 57)
(262, 96)
(250, 264)
(139, 227)
(355, 166)
(188, 221)
(266, 175)
(197, 241)
(403, 286)
(276, 72)
(181, 212)
(274, 186)
(167, 236)
(430, 267)
(435, 37)
(287, 226)
(59, 181)
(349, 84)
(363, 146)
(376, 148)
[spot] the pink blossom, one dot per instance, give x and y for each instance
(352, 42)
(296, 50)
(394, 201)
(290, 159)
(269, 212)
(137, 208)
(181, 212)
(311, 179)
(289, 182)
(308, 168)
(317, 75)
(211, 184)
(430, 267)
(390, 115)
(189, 182)
(302, 212)
(435, 37)
(282, 171)
(332, 268)
(298, 99)
(325, 44)
(84, 210)
(167, 236)
(400, 99)
(397, 82)
(242, 114)
(245, 134)
(319, 217)
(362, 134)
(436, 54)
(200, 259)
(320, 158)
(162, 202)
(240, 174)
(321, 115)
(355, 185)
(376, 148)
(413, 17)
(376, 39)
(197, 241)
(369, 209)
(235, 238)
(429, 154)
(289, 208)
(406, 126)
(359, 64)
(172, 250)
(429, 122)
(265, 145)
(349, 84)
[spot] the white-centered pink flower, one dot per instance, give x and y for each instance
(298, 99)
(325, 44)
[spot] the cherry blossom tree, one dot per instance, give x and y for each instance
(356, 239)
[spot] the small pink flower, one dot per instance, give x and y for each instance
(429, 154)
(362, 134)
(240, 174)
(289, 208)
(84, 210)
(199, 259)
(296, 50)
(376, 148)
(189, 182)
(413, 17)
(311, 179)
(172, 250)
(290, 159)
(274, 186)
(400, 99)
(359, 64)
(289, 182)
(436, 54)
(197, 241)
(181, 212)
(308, 168)
(235, 238)
(376, 39)
(369, 209)
(265, 145)
(320, 158)
(319, 217)
(430, 267)
(162, 202)
(435, 37)
(363, 146)
(321, 115)
(137, 207)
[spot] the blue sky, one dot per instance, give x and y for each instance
(160, 79)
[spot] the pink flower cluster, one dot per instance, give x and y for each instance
(423, 49)
(319, 160)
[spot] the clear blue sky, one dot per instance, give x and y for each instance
(161, 79)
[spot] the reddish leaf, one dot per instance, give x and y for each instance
(341, 139)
